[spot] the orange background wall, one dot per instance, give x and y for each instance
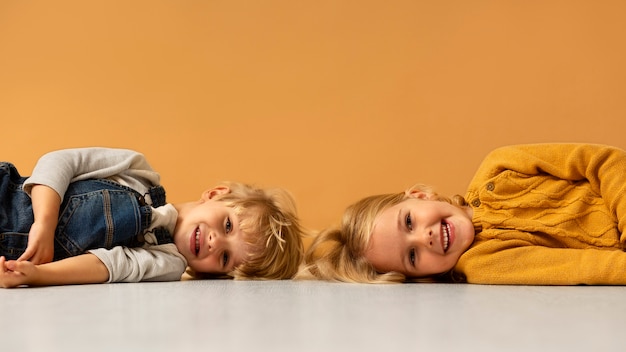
(333, 100)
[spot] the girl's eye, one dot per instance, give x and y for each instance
(408, 222)
(412, 256)
(225, 259)
(229, 225)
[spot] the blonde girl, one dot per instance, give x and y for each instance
(543, 214)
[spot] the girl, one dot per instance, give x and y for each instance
(94, 215)
(546, 214)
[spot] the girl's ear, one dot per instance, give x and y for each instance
(217, 191)
(414, 193)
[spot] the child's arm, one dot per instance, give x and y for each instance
(46, 203)
(82, 269)
(603, 166)
(56, 170)
(59, 168)
(154, 263)
(514, 262)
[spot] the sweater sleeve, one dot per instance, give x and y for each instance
(603, 166)
(57, 169)
(517, 263)
(154, 263)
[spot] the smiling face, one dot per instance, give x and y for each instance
(419, 237)
(209, 236)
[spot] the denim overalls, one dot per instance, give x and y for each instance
(94, 214)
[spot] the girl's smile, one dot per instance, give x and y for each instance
(447, 235)
(419, 237)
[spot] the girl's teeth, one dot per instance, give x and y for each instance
(446, 236)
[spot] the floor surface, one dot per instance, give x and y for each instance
(222, 315)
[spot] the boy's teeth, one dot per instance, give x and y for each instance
(197, 241)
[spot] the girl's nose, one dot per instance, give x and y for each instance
(425, 238)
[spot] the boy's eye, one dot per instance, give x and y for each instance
(412, 256)
(409, 222)
(228, 226)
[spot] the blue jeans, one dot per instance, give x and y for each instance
(94, 214)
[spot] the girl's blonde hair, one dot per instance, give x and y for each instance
(272, 231)
(337, 254)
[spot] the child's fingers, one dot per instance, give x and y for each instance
(6, 264)
(10, 279)
(28, 253)
(17, 266)
(6, 276)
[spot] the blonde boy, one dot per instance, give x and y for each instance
(94, 215)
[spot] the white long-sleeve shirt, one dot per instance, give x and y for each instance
(153, 261)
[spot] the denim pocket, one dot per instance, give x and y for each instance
(16, 214)
(13, 244)
(98, 219)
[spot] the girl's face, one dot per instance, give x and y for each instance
(420, 237)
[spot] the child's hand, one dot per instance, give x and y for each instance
(14, 273)
(46, 204)
(40, 248)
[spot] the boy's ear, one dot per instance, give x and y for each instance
(217, 191)
(418, 194)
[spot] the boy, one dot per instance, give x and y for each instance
(99, 215)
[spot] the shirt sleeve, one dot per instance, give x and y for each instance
(153, 263)
(57, 169)
(515, 262)
(603, 166)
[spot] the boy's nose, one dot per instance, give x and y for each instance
(214, 240)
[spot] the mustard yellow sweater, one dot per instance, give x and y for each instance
(548, 214)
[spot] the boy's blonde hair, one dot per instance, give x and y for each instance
(272, 231)
(337, 254)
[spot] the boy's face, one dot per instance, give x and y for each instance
(208, 235)
(419, 237)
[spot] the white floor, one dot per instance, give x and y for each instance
(223, 316)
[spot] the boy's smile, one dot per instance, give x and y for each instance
(195, 241)
(208, 235)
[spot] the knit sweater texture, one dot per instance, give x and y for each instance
(548, 214)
